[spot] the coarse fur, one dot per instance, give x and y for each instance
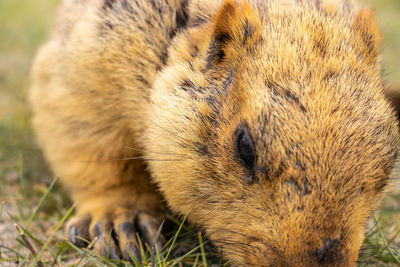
(127, 90)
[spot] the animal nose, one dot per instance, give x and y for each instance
(329, 252)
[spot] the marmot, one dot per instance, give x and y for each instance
(264, 121)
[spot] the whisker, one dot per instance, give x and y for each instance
(241, 262)
(240, 245)
(231, 241)
(251, 237)
(237, 233)
(241, 248)
(157, 152)
(144, 158)
(239, 251)
(174, 134)
(128, 159)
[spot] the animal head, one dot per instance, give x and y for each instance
(275, 133)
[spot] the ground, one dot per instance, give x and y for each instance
(34, 202)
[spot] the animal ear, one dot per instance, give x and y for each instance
(393, 95)
(235, 24)
(365, 26)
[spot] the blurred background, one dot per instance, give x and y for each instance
(24, 177)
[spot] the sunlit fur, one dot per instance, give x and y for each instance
(169, 82)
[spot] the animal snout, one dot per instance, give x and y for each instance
(330, 253)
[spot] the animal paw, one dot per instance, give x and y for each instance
(116, 233)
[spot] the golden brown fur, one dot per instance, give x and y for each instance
(172, 82)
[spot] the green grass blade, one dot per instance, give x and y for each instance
(143, 253)
(196, 260)
(391, 240)
(154, 250)
(203, 254)
(90, 255)
(385, 243)
(41, 201)
(14, 220)
(11, 250)
(21, 174)
(31, 236)
(178, 260)
(174, 239)
(59, 225)
(2, 208)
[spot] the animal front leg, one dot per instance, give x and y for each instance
(114, 217)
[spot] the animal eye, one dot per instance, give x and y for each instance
(244, 147)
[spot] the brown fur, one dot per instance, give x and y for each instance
(170, 82)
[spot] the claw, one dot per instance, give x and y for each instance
(73, 232)
(128, 243)
(148, 226)
(105, 244)
(78, 232)
(116, 234)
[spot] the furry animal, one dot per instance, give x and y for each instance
(264, 121)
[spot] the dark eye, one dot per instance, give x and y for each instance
(244, 147)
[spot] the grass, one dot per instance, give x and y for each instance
(34, 206)
(37, 246)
